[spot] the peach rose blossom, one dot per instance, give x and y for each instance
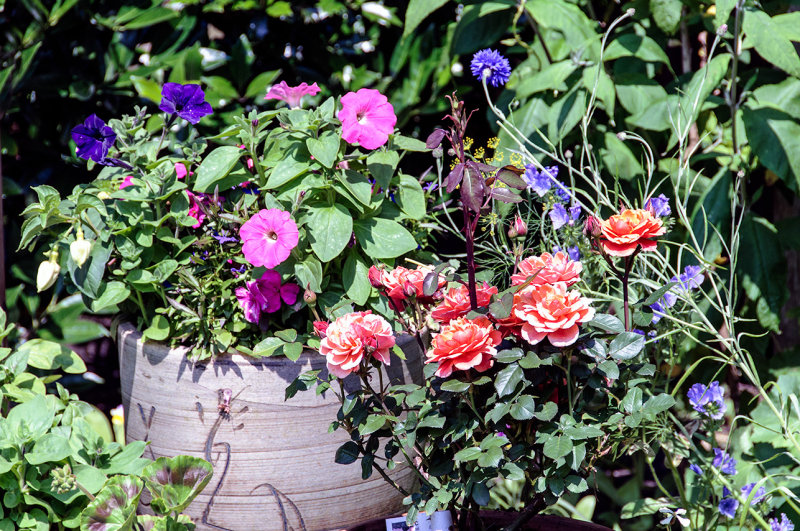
(393, 281)
(353, 336)
(548, 269)
(622, 233)
(456, 302)
(464, 344)
(549, 310)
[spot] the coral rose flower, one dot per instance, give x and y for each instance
(464, 344)
(393, 281)
(367, 118)
(548, 269)
(268, 237)
(549, 310)
(456, 302)
(353, 336)
(622, 233)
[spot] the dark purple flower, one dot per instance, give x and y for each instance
(694, 468)
(658, 206)
(492, 66)
(574, 213)
(783, 525)
(725, 463)
(561, 192)
(757, 496)
(540, 181)
(265, 295)
(707, 400)
(93, 138)
(187, 101)
(728, 506)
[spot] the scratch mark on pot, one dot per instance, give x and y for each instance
(277, 495)
(200, 411)
(239, 427)
(147, 421)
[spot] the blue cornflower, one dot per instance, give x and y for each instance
(728, 506)
(725, 463)
(540, 181)
(491, 65)
(93, 138)
(187, 101)
(709, 401)
(783, 525)
(658, 206)
(757, 497)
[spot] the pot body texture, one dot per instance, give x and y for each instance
(273, 459)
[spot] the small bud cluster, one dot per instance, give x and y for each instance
(63, 480)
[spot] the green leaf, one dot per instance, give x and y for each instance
(578, 29)
(258, 86)
(523, 408)
(347, 453)
(30, 420)
(607, 322)
(480, 493)
(355, 277)
(147, 89)
(358, 185)
(565, 114)
(51, 356)
(467, 454)
(268, 346)
(111, 294)
(657, 294)
(411, 199)
(506, 381)
(667, 14)
(216, 168)
(490, 458)
(774, 136)
(285, 171)
(644, 507)
(372, 424)
(158, 329)
(548, 411)
(309, 273)
(632, 401)
(610, 369)
(724, 8)
(771, 41)
(626, 345)
(383, 238)
(632, 45)
(557, 446)
(455, 386)
(382, 165)
(51, 447)
(417, 11)
(619, 159)
(325, 148)
(174, 482)
(329, 230)
(293, 351)
(658, 404)
(763, 269)
(407, 143)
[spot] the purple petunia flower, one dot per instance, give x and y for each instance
(187, 101)
(709, 401)
(658, 206)
(694, 468)
(94, 138)
(492, 66)
(540, 181)
(725, 463)
(265, 295)
(728, 506)
(757, 497)
(783, 525)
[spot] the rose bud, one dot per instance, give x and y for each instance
(79, 249)
(310, 297)
(321, 328)
(518, 228)
(375, 277)
(592, 227)
(408, 289)
(48, 272)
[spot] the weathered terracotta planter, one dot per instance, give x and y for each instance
(495, 520)
(273, 459)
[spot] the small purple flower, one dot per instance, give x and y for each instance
(187, 101)
(728, 506)
(490, 64)
(561, 192)
(709, 401)
(559, 216)
(659, 206)
(94, 138)
(783, 525)
(573, 252)
(725, 463)
(574, 213)
(691, 278)
(222, 239)
(694, 468)
(757, 497)
(540, 181)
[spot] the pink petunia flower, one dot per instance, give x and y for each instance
(268, 237)
(195, 210)
(180, 170)
(127, 181)
(291, 95)
(265, 295)
(367, 118)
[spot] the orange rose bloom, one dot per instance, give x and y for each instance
(351, 337)
(464, 344)
(621, 233)
(549, 310)
(456, 302)
(394, 281)
(548, 269)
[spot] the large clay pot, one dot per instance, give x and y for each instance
(273, 460)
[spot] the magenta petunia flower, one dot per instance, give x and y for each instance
(126, 182)
(265, 295)
(195, 210)
(268, 237)
(367, 118)
(291, 95)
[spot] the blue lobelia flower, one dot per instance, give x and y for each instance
(540, 181)
(783, 525)
(725, 463)
(491, 65)
(707, 400)
(658, 206)
(559, 216)
(186, 101)
(93, 138)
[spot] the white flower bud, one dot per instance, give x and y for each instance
(48, 273)
(103, 196)
(80, 249)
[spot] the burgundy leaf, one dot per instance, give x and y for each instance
(435, 139)
(454, 178)
(485, 168)
(473, 189)
(505, 195)
(511, 176)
